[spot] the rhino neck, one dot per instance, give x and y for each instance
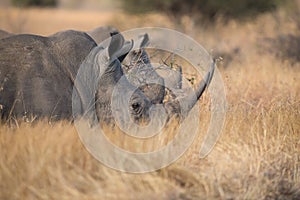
(104, 90)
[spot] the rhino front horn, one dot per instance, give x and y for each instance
(183, 104)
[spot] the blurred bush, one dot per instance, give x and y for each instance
(285, 47)
(203, 9)
(26, 3)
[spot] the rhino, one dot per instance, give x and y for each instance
(162, 84)
(39, 78)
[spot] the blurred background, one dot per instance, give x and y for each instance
(229, 28)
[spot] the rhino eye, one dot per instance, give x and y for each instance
(136, 105)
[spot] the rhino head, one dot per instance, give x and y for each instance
(138, 69)
(139, 84)
(162, 84)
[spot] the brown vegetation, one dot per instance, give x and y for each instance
(256, 157)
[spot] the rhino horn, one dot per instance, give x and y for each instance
(143, 41)
(200, 88)
(182, 105)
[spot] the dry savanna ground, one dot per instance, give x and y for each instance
(256, 157)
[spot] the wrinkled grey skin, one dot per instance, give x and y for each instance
(37, 73)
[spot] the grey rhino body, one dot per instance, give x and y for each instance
(37, 73)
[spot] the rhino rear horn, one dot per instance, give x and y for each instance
(143, 41)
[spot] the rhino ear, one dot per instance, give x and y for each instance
(116, 43)
(117, 48)
(123, 52)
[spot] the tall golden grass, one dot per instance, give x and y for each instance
(256, 157)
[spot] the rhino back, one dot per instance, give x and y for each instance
(37, 73)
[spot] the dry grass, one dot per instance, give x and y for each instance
(256, 157)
